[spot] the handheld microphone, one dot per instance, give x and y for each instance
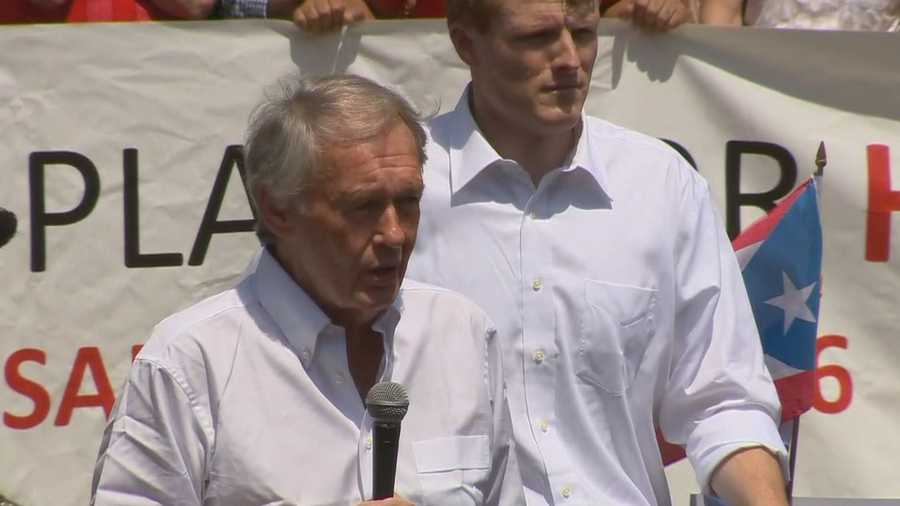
(8, 224)
(386, 403)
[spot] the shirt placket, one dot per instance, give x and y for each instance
(364, 445)
(364, 458)
(541, 361)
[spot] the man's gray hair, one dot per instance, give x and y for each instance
(291, 131)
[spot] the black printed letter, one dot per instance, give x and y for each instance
(734, 199)
(40, 218)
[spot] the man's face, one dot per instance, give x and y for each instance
(349, 245)
(532, 67)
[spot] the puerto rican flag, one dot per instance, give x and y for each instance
(781, 259)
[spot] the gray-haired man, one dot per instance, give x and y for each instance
(254, 396)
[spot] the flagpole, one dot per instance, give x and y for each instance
(821, 162)
(792, 457)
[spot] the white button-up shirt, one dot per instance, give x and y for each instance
(619, 304)
(246, 398)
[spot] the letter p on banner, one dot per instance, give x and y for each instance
(882, 202)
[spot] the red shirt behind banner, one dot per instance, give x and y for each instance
(429, 9)
(22, 11)
(394, 8)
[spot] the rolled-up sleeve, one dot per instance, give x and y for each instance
(719, 395)
(154, 448)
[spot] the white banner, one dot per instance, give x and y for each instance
(119, 158)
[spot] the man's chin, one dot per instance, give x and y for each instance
(557, 120)
(563, 102)
(380, 297)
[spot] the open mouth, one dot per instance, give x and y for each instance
(387, 274)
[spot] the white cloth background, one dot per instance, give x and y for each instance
(181, 92)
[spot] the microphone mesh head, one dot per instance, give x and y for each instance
(387, 402)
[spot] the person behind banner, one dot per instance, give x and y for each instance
(868, 15)
(255, 395)
(650, 14)
(324, 16)
(43, 11)
(598, 253)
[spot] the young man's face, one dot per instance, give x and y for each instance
(532, 66)
(349, 244)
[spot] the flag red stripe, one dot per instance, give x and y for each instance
(761, 228)
(670, 452)
(796, 393)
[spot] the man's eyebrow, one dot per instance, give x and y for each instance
(357, 193)
(368, 191)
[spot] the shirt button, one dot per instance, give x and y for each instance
(539, 356)
(305, 354)
(545, 426)
(537, 284)
(369, 443)
(339, 378)
(566, 491)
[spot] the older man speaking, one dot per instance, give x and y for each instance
(255, 395)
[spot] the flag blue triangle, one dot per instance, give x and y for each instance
(793, 248)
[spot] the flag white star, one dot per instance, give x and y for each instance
(793, 302)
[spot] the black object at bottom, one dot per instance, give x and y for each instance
(385, 443)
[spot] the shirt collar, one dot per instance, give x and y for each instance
(586, 159)
(470, 152)
(298, 316)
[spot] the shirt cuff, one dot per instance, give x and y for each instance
(724, 433)
(244, 8)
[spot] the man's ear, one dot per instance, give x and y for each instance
(462, 42)
(277, 219)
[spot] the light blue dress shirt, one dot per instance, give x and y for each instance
(244, 8)
(246, 398)
(619, 305)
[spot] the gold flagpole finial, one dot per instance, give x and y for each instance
(821, 160)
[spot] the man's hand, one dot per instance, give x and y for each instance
(321, 16)
(750, 477)
(393, 501)
(651, 14)
(722, 12)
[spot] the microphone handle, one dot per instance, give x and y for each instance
(385, 442)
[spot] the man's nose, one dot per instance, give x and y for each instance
(566, 51)
(390, 230)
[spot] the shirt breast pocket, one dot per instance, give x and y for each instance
(450, 469)
(616, 327)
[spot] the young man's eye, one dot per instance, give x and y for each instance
(536, 37)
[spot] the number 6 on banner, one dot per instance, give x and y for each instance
(837, 372)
